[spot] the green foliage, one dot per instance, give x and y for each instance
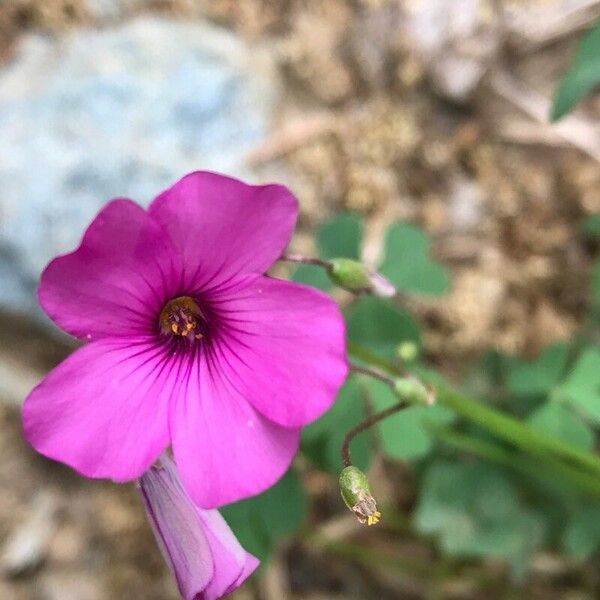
(582, 532)
(380, 326)
(582, 77)
(581, 389)
(261, 521)
(340, 236)
(475, 510)
(501, 476)
(537, 378)
(406, 435)
(591, 226)
(559, 421)
(407, 264)
(596, 286)
(322, 440)
(313, 276)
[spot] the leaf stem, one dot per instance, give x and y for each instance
(503, 426)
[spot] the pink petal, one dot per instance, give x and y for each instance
(104, 410)
(178, 529)
(233, 565)
(224, 227)
(202, 551)
(224, 449)
(284, 349)
(115, 283)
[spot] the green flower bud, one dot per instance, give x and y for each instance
(413, 390)
(355, 277)
(407, 351)
(356, 493)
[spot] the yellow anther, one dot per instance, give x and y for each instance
(182, 317)
(374, 518)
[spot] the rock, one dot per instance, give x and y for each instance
(122, 111)
(457, 40)
(26, 549)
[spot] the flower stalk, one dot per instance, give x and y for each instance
(349, 274)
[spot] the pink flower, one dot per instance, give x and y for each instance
(203, 553)
(190, 345)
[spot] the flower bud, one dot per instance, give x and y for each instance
(356, 493)
(203, 553)
(407, 351)
(355, 277)
(413, 390)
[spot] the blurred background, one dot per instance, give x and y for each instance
(377, 113)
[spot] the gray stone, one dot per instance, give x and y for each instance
(123, 111)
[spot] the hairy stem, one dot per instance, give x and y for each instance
(305, 260)
(519, 434)
(366, 424)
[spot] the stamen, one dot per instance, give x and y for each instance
(182, 317)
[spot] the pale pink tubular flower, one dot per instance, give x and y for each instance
(189, 343)
(203, 553)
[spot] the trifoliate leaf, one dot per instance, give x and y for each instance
(405, 435)
(407, 263)
(538, 377)
(322, 440)
(582, 533)
(475, 511)
(581, 389)
(340, 236)
(559, 421)
(582, 76)
(380, 326)
(261, 521)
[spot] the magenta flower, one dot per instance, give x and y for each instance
(189, 344)
(203, 553)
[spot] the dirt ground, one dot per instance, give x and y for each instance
(387, 113)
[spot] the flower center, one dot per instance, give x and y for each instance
(182, 317)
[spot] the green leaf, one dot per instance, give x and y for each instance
(582, 533)
(581, 389)
(322, 440)
(596, 285)
(407, 264)
(557, 420)
(313, 276)
(340, 236)
(538, 377)
(475, 511)
(591, 225)
(380, 326)
(582, 76)
(405, 435)
(260, 522)
(337, 237)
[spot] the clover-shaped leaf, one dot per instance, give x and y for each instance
(339, 236)
(407, 263)
(406, 435)
(538, 377)
(322, 440)
(475, 510)
(260, 521)
(560, 422)
(582, 77)
(581, 388)
(380, 326)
